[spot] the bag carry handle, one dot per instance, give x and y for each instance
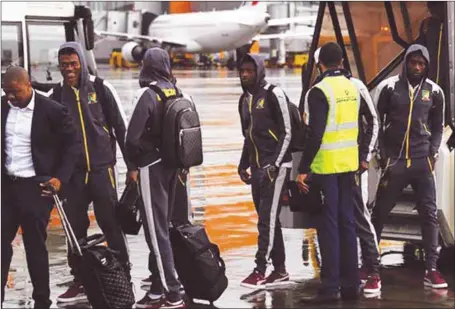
(92, 240)
(72, 240)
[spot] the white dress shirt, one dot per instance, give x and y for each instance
(18, 143)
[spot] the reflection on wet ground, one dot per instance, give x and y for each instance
(223, 204)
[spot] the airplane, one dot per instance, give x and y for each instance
(203, 32)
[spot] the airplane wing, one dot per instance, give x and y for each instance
(284, 35)
(308, 20)
(147, 38)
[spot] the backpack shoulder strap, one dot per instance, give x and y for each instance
(270, 88)
(57, 93)
(272, 106)
(100, 93)
(159, 92)
(270, 91)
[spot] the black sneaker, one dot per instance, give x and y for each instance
(150, 301)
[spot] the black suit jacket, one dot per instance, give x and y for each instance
(56, 146)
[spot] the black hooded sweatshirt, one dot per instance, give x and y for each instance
(266, 123)
(410, 126)
(97, 122)
(143, 137)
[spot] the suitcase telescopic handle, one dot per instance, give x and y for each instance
(72, 240)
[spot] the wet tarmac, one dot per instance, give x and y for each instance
(223, 204)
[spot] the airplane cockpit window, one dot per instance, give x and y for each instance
(44, 43)
(12, 46)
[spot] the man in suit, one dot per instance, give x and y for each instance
(39, 147)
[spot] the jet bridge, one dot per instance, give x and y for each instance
(374, 37)
(32, 33)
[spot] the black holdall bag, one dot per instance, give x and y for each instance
(198, 263)
(103, 276)
(128, 209)
(181, 137)
(310, 202)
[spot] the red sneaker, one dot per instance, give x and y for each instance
(75, 293)
(254, 281)
(173, 305)
(373, 284)
(434, 279)
(276, 278)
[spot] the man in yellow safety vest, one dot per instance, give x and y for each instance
(331, 158)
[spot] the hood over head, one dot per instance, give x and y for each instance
(156, 66)
(84, 76)
(415, 48)
(260, 69)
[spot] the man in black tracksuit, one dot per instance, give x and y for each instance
(411, 111)
(266, 126)
(181, 208)
(157, 181)
(368, 134)
(97, 114)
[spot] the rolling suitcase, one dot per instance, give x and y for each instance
(198, 263)
(103, 277)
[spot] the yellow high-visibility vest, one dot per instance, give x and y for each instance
(339, 151)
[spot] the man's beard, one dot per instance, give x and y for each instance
(413, 78)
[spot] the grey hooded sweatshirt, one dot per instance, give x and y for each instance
(100, 124)
(411, 118)
(143, 139)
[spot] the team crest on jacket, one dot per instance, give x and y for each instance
(426, 95)
(260, 104)
(92, 98)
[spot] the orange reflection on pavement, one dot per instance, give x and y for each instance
(10, 283)
(231, 226)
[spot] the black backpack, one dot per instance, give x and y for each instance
(298, 128)
(181, 138)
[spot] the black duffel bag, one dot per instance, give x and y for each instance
(128, 214)
(198, 263)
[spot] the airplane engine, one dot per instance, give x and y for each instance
(133, 52)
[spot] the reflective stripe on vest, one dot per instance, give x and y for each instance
(339, 148)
